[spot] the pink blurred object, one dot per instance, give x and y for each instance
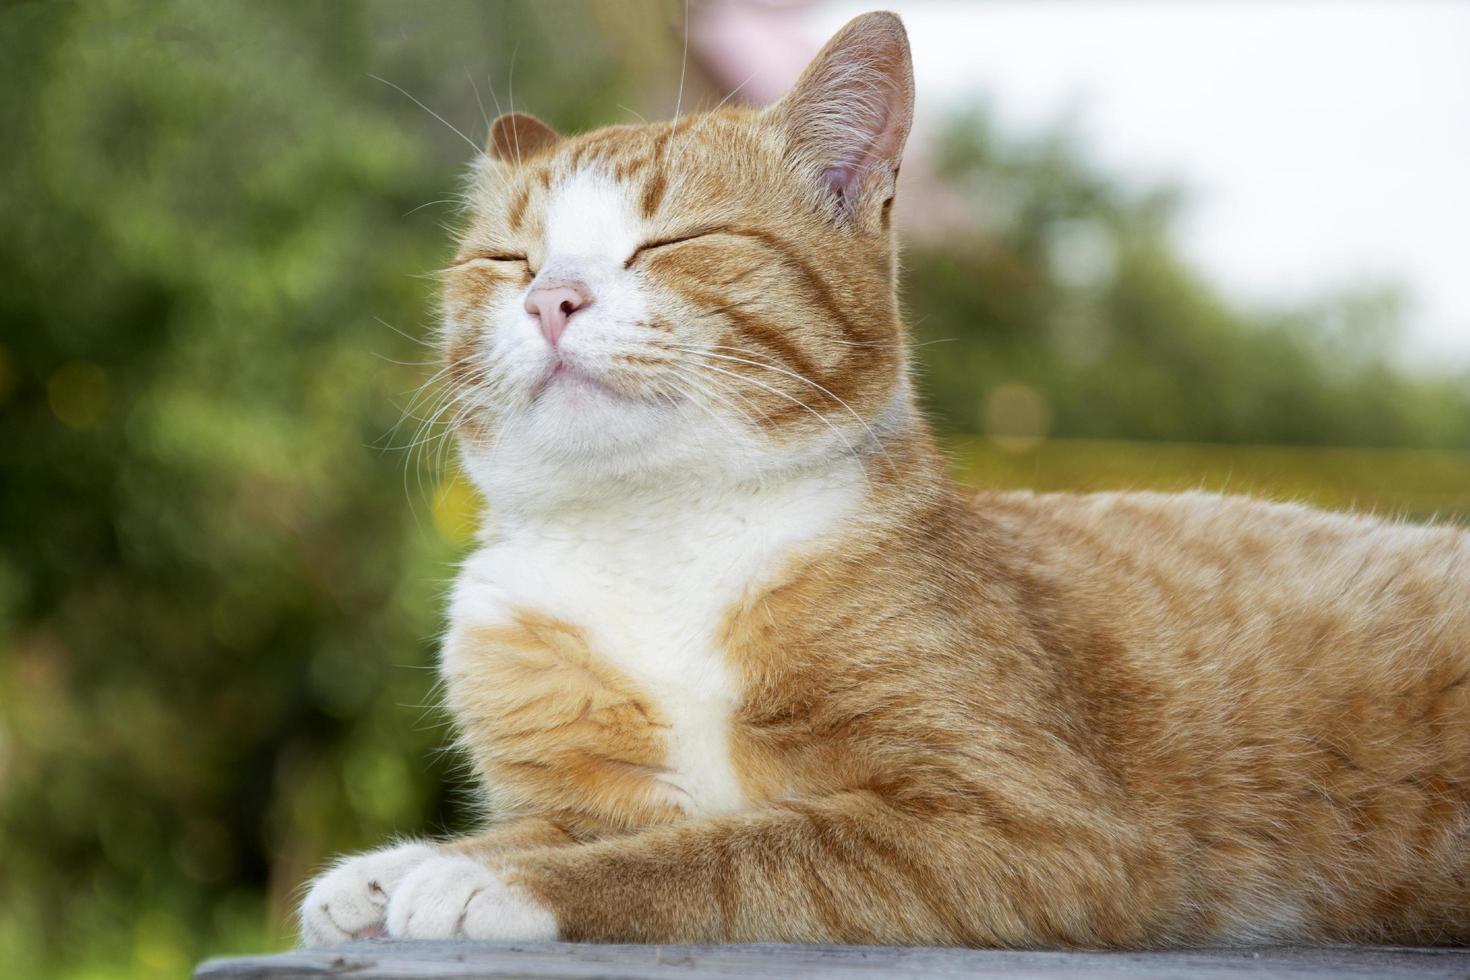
(757, 48)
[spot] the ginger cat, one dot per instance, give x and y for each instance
(736, 661)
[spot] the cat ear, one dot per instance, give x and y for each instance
(849, 114)
(516, 135)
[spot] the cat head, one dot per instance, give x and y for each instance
(711, 294)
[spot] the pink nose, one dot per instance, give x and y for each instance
(554, 308)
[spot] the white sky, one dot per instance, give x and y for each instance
(1323, 143)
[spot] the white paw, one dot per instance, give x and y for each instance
(349, 901)
(458, 897)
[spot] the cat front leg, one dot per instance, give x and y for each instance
(454, 896)
(352, 898)
(846, 869)
(842, 869)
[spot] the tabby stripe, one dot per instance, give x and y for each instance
(924, 884)
(878, 871)
(518, 207)
(626, 169)
(771, 338)
(824, 902)
(810, 276)
(647, 360)
(653, 191)
(813, 280)
(596, 147)
(754, 328)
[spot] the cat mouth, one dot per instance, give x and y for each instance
(562, 375)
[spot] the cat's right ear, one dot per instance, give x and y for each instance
(516, 136)
(848, 116)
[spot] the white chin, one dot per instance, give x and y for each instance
(575, 420)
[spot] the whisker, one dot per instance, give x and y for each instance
(429, 204)
(711, 387)
(691, 393)
(490, 84)
(406, 336)
(709, 351)
(716, 311)
(791, 398)
(425, 393)
(387, 442)
(511, 94)
(478, 101)
(452, 128)
(412, 459)
(880, 346)
(731, 94)
(464, 402)
(693, 387)
(393, 360)
(683, 68)
(679, 102)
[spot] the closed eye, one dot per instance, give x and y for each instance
(490, 257)
(666, 242)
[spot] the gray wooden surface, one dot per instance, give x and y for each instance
(383, 959)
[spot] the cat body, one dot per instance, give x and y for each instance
(737, 661)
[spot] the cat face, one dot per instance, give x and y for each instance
(715, 292)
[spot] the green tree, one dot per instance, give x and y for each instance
(1071, 286)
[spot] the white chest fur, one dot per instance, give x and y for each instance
(650, 579)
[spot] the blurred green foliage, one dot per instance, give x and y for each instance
(1426, 485)
(218, 590)
(221, 567)
(1075, 289)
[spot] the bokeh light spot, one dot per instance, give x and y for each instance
(1017, 416)
(161, 945)
(78, 393)
(456, 509)
(1082, 254)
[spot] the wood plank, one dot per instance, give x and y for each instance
(390, 960)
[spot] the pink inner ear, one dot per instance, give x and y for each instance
(868, 139)
(842, 180)
(844, 177)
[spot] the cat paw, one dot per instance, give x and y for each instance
(350, 901)
(452, 897)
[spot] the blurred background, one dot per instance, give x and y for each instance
(1147, 244)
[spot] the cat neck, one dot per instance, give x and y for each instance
(753, 503)
(677, 513)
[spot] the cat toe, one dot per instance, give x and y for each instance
(349, 901)
(460, 898)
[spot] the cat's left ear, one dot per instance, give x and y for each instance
(518, 135)
(848, 116)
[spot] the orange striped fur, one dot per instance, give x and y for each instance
(737, 661)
